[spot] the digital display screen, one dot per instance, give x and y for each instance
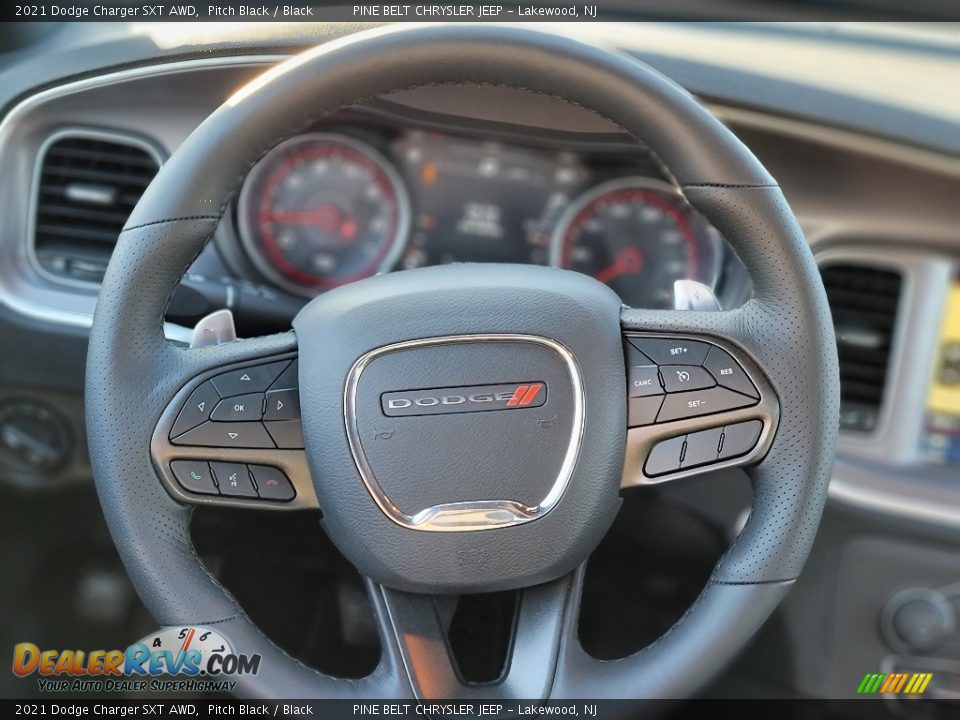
(482, 201)
(941, 437)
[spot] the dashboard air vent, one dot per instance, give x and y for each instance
(86, 186)
(864, 302)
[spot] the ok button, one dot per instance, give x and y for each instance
(644, 380)
(240, 408)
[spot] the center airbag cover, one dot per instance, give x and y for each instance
(445, 442)
(464, 425)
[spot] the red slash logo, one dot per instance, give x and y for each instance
(524, 395)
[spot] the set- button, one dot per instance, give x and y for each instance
(236, 480)
(256, 406)
(672, 379)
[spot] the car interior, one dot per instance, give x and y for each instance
(568, 360)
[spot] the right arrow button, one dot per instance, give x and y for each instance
(282, 405)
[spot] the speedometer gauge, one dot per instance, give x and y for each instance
(638, 236)
(322, 210)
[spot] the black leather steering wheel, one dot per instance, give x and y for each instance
(421, 493)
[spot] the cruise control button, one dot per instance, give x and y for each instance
(672, 351)
(227, 435)
(272, 484)
(282, 405)
(728, 372)
(240, 408)
(643, 410)
(740, 439)
(702, 447)
(255, 378)
(234, 479)
(665, 457)
(679, 378)
(196, 409)
(644, 380)
(287, 434)
(678, 406)
(195, 476)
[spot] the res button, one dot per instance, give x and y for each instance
(728, 373)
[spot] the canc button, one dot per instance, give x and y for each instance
(644, 380)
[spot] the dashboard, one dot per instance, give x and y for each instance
(357, 198)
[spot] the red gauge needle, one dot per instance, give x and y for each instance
(325, 217)
(627, 262)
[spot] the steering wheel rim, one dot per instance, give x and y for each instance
(133, 372)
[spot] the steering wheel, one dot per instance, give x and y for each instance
(466, 428)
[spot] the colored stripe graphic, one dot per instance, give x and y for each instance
(524, 395)
(530, 394)
(894, 683)
(517, 396)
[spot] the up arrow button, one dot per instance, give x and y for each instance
(254, 379)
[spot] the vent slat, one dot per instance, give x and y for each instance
(864, 302)
(50, 232)
(52, 173)
(104, 217)
(69, 156)
(86, 190)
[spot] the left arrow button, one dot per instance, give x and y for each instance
(196, 409)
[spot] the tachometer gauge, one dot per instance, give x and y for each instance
(638, 236)
(322, 210)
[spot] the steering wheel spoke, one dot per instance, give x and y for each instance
(418, 626)
(697, 401)
(231, 435)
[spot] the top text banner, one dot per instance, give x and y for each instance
(547, 11)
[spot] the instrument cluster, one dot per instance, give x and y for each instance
(327, 208)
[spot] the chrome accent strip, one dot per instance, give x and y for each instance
(121, 138)
(472, 515)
